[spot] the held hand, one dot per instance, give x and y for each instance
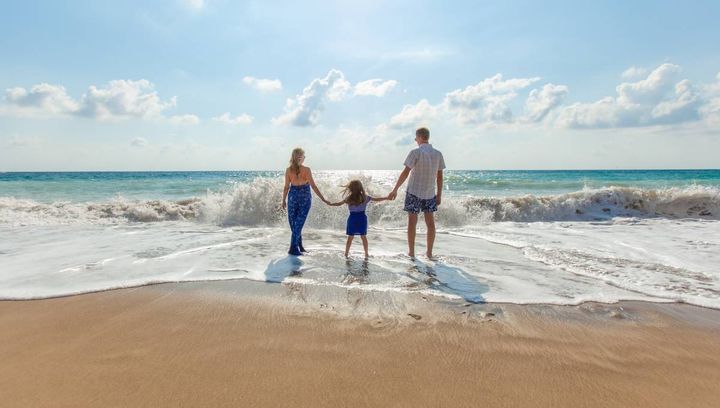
(284, 205)
(392, 195)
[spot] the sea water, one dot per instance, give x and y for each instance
(560, 237)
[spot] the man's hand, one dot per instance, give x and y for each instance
(392, 195)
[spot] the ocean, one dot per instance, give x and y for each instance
(556, 237)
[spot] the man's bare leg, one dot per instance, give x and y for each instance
(430, 223)
(412, 227)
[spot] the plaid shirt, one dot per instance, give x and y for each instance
(424, 162)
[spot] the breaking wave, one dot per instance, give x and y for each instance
(258, 203)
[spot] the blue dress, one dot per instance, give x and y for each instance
(299, 202)
(357, 222)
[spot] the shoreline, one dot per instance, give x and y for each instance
(249, 343)
(243, 281)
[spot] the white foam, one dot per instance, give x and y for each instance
(559, 263)
(258, 204)
(605, 244)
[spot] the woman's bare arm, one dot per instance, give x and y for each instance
(314, 186)
(286, 188)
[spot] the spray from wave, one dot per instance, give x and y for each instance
(258, 203)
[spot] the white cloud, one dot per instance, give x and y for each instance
(139, 142)
(52, 99)
(634, 73)
(243, 119)
(304, 109)
(414, 115)
(263, 85)
(118, 99)
(184, 119)
(375, 87)
(123, 98)
(487, 101)
(657, 99)
(540, 102)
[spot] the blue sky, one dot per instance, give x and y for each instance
(194, 85)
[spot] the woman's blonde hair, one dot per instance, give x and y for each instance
(354, 193)
(295, 156)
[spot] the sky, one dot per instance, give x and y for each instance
(236, 85)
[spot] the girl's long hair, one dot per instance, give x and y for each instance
(354, 193)
(295, 160)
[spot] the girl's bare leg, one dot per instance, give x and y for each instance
(347, 244)
(365, 244)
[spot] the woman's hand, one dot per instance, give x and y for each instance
(284, 205)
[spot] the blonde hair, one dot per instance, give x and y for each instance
(295, 160)
(354, 193)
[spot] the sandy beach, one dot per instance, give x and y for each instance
(229, 344)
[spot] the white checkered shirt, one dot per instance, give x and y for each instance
(424, 162)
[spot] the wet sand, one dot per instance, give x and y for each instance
(205, 345)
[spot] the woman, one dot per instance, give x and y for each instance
(298, 182)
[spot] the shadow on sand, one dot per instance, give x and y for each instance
(451, 280)
(357, 271)
(279, 269)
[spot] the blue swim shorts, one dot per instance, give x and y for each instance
(414, 204)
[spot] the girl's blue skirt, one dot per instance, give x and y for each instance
(357, 223)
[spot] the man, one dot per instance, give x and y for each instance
(425, 167)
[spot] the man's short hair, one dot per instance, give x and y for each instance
(423, 133)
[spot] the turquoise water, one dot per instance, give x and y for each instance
(101, 186)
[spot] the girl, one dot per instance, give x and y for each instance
(298, 182)
(356, 199)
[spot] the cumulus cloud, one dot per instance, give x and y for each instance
(634, 73)
(658, 99)
(263, 85)
(123, 98)
(184, 119)
(52, 99)
(243, 119)
(305, 108)
(488, 100)
(541, 101)
(414, 115)
(118, 99)
(374, 87)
